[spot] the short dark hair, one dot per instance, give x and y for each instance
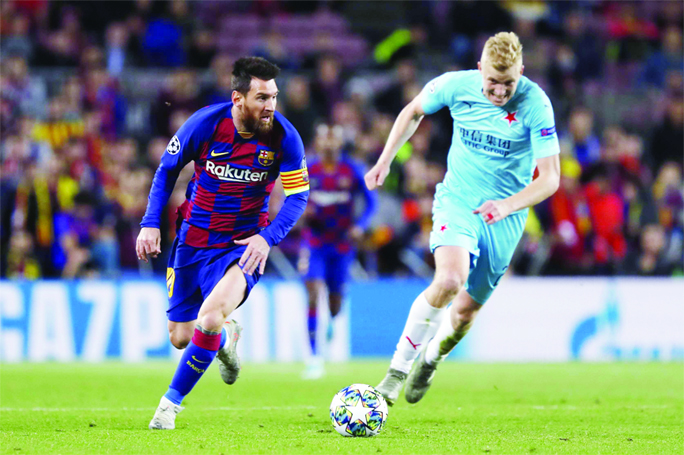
(248, 67)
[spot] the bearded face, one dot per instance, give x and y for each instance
(257, 107)
(257, 120)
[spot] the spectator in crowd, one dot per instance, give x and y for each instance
(62, 47)
(667, 191)
(392, 100)
(649, 259)
(25, 94)
(103, 94)
(570, 223)
(472, 19)
(22, 261)
(219, 89)
(131, 208)
(667, 141)
(202, 48)
(632, 34)
(668, 58)
(57, 128)
(162, 42)
(607, 219)
(299, 108)
(347, 115)
(586, 45)
(326, 89)
(586, 145)
(180, 94)
(18, 42)
(74, 231)
(116, 48)
(670, 14)
(639, 209)
(272, 49)
(561, 72)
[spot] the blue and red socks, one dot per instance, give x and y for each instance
(311, 325)
(224, 337)
(197, 357)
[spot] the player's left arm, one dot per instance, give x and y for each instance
(545, 147)
(295, 178)
(542, 187)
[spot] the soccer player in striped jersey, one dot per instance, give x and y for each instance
(239, 149)
(331, 231)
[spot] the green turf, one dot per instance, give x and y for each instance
(630, 408)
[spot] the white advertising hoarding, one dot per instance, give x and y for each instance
(591, 319)
(526, 320)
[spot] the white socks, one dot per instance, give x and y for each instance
(422, 323)
(444, 342)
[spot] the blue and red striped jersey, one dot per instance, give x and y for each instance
(227, 197)
(334, 188)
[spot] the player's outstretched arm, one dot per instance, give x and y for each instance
(542, 187)
(404, 126)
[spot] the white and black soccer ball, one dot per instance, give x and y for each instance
(174, 146)
(358, 410)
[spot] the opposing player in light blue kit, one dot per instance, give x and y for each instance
(503, 128)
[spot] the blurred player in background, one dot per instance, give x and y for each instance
(239, 149)
(503, 127)
(331, 231)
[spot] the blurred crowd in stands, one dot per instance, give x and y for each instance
(93, 91)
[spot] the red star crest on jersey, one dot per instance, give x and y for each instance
(443, 228)
(511, 118)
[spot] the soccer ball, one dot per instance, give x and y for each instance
(358, 410)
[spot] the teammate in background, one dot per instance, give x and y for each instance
(503, 128)
(239, 149)
(331, 231)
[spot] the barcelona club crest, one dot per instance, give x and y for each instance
(266, 157)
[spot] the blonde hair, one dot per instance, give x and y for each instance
(503, 50)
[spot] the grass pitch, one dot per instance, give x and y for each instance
(624, 408)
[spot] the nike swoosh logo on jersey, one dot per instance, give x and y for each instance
(214, 154)
(197, 360)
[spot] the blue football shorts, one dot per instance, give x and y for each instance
(193, 273)
(325, 263)
(491, 247)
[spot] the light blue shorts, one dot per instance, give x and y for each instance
(491, 247)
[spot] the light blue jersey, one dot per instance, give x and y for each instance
(494, 148)
(492, 156)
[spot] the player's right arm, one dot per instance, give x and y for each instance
(404, 126)
(183, 147)
(440, 92)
